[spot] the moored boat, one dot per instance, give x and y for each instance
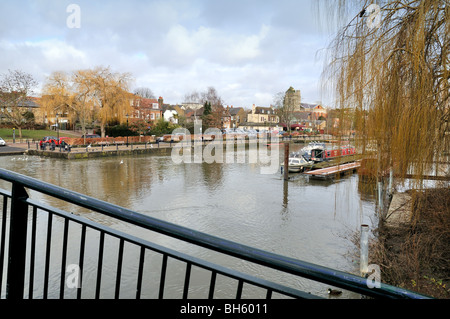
(296, 163)
(323, 154)
(306, 151)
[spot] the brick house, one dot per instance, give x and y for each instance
(146, 109)
(315, 110)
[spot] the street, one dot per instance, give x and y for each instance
(15, 149)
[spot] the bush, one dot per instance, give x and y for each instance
(162, 127)
(415, 256)
(119, 130)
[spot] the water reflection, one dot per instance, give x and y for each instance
(300, 218)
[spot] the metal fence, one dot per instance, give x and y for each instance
(33, 256)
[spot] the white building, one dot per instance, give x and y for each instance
(170, 116)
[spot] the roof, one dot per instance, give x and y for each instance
(196, 112)
(264, 110)
(310, 106)
(144, 103)
(235, 110)
(301, 115)
(168, 107)
(28, 102)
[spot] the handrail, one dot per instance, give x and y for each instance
(290, 265)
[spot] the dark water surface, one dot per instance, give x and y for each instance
(305, 219)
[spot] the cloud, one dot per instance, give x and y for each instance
(248, 50)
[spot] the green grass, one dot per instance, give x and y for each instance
(7, 134)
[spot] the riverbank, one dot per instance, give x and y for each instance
(412, 248)
(105, 151)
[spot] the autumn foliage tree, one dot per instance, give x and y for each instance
(86, 96)
(390, 63)
(71, 95)
(111, 93)
(57, 97)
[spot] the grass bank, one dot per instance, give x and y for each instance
(7, 134)
(416, 255)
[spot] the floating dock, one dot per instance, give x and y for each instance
(332, 171)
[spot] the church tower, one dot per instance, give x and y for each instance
(293, 98)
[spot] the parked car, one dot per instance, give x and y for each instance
(165, 138)
(52, 140)
(49, 140)
(2, 142)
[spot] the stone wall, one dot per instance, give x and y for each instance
(95, 141)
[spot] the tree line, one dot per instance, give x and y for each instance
(96, 95)
(101, 96)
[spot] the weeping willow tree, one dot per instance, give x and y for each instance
(56, 96)
(390, 65)
(111, 92)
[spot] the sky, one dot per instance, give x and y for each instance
(248, 50)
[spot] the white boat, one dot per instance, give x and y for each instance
(296, 163)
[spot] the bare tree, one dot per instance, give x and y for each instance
(193, 97)
(284, 109)
(16, 88)
(212, 96)
(145, 93)
(215, 102)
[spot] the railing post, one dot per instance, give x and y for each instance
(17, 243)
(364, 250)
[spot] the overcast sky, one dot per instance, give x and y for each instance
(247, 49)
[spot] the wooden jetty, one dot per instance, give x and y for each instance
(332, 171)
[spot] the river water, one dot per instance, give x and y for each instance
(306, 219)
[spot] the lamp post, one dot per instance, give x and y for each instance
(57, 126)
(127, 128)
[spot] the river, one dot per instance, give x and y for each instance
(305, 219)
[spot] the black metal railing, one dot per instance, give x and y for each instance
(37, 241)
